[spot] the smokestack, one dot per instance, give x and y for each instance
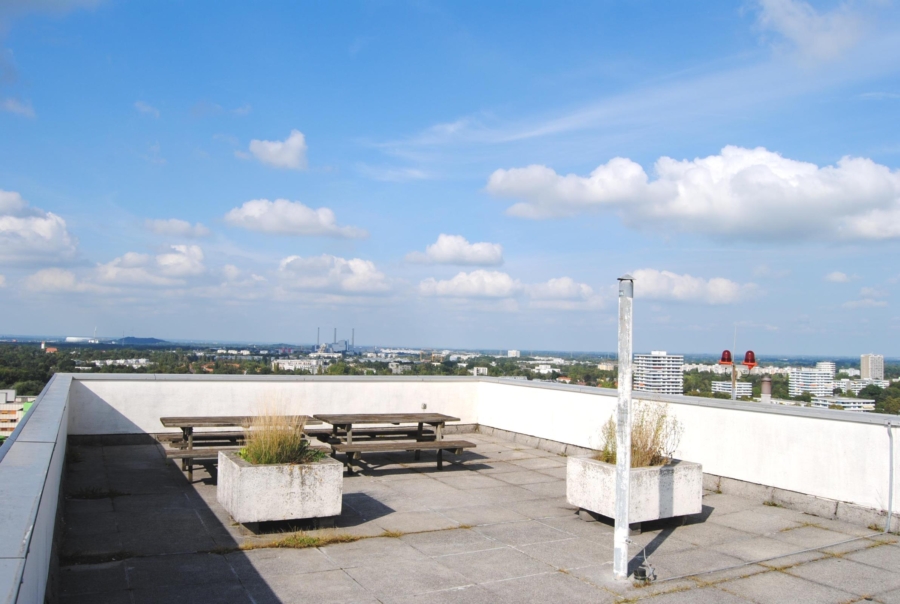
(317, 337)
(335, 335)
(766, 389)
(352, 337)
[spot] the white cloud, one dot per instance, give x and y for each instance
(334, 274)
(814, 35)
(167, 269)
(477, 284)
(289, 153)
(29, 235)
(18, 107)
(563, 288)
(665, 285)
(285, 217)
(455, 249)
(57, 280)
(182, 261)
(838, 277)
(872, 292)
(735, 194)
(174, 227)
(146, 109)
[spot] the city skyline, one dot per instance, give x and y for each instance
(454, 175)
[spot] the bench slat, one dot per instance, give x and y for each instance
(380, 447)
(204, 453)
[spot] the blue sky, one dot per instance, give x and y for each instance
(454, 174)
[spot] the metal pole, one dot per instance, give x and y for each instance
(623, 429)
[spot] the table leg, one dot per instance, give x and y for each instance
(349, 434)
(418, 439)
(439, 431)
(190, 460)
(440, 459)
(184, 440)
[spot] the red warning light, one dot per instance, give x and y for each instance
(750, 359)
(726, 358)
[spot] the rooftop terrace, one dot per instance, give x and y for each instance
(114, 521)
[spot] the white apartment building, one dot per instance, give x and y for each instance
(815, 381)
(659, 372)
(479, 371)
(514, 354)
(871, 366)
(311, 365)
(606, 366)
(855, 386)
(827, 366)
(743, 388)
(845, 404)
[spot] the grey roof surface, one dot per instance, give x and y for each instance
(495, 528)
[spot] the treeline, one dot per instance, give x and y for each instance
(27, 368)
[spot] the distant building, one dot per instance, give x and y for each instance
(514, 354)
(606, 366)
(399, 368)
(543, 369)
(845, 404)
(743, 388)
(814, 381)
(50, 349)
(311, 365)
(871, 367)
(827, 366)
(659, 372)
(11, 411)
(479, 371)
(855, 386)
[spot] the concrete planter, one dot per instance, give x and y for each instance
(260, 493)
(675, 489)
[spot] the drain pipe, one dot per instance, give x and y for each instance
(887, 525)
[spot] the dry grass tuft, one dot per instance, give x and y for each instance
(654, 436)
(275, 438)
(392, 534)
(303, 541)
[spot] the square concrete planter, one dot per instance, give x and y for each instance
(261, 493)
(675, 489)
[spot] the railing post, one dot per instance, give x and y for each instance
(623, 428)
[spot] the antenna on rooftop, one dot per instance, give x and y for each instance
(335, 335)
(317, 337)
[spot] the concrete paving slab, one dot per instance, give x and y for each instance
(469, 594)
(777, 588)
(443, 543)
(810, 536)
(688, 562)
(522, 533)
(217, 593)
(469, 480)
(710, 533)
(88, 523)
(541, 507)
(415, 522)
(524, 477)
(479, 515)
(847, 575)
(709, 595)
(727, 504)
(540, 463)
(554, 488)
(320, 587)
(253, 564)
(494, 565)
(184, 569)
(92, 579)
(117, 597)
(416, 577)
(880, 556)
(753, 521)
(552, 587)
(371, 551)
(499, 467)
(570, 554)
(559, 472)
(755, 548)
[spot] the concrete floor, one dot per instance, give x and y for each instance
(495, 529)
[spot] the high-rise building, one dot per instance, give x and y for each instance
(815, 381)
(871, 367)
(659, 372)
(827, 366)
(743, 388)
(513, 354)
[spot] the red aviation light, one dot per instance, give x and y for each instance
(726, 358)
(750, 359)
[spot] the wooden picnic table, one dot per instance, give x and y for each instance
(345, 421)
(187, 425)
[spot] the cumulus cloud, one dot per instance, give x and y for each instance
(17, 107)
(29, 235)
(333, 274)
(57, 280)
(146, 109)
(563, 288)
(283, 217)
(838, 277)
(865, 303)
(289, 153)
(455, 249)
(477, 284)
(740, 193)
(814, 35)
(665, 285)
(166, 269)
(174, 227)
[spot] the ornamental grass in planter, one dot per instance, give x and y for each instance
(660, 486)
(278, 475)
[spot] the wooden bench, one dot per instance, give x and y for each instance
(384, 433)
(178, 439)
(353, 451)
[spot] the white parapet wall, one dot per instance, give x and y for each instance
(838, 455)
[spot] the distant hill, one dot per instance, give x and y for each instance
(132, 341)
